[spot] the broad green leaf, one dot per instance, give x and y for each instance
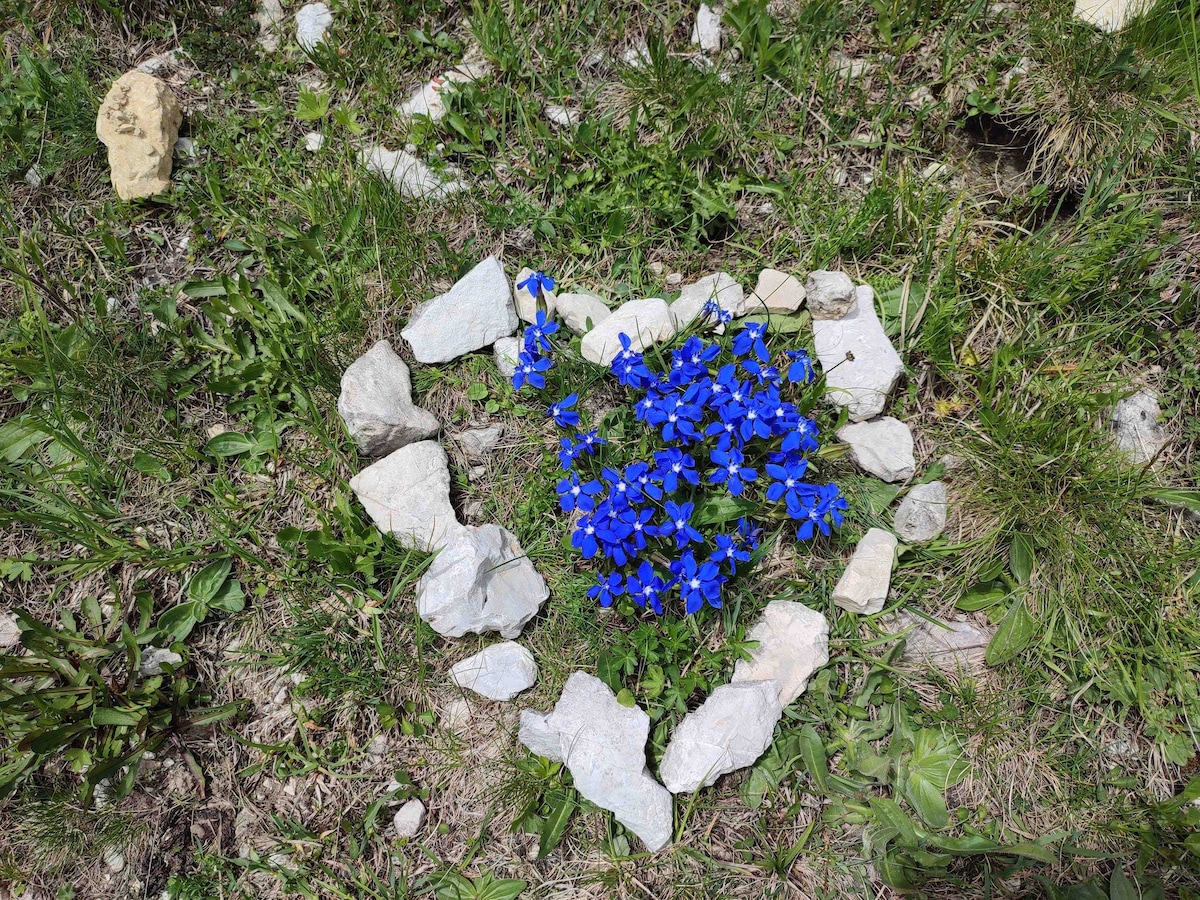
(179, 620)
(755, 788)
(229, 598)
(981, 597)
(625, 698)
(107, 715)
(1120, 887)
(148, 465)
(1030, 850)
(1020, 557)
(562, 804)
(504, 889)
(812, 752)
(722, 508)
(229, 443)
(927, 800)
(1014, 634)
(204, 585)
(477, 391)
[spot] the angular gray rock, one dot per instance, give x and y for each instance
(861, 366)
(479, 442)
(481, 580)
(407, 174)
(527, 306)
(376, 403)
(577, 310)
(793, 642)
(692, 299)
(645, 321)
(830, 294)
(407, 493)
(952, 646)
(729, 731)
(863, 587)
(506, 351)
(498, 672)
(604, 745)
(883, 447)
(473, 314)
(1135, 425)
(922, 514)
(409, 818)
(776, 292)
(154, 658)
(312, 21)
(707, 30)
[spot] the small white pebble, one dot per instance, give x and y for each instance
(409, 818)
(314, 141)
(114, 860)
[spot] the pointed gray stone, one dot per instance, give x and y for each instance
(376, 403)
(407, 493)
(729, 731)
(922, 514)
(793, 642)
(473, 314)
(863, 587)
(861, 366)
(882, 447)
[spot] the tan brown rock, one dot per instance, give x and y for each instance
(139, 123)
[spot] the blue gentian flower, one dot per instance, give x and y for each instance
(712, 310)
(562, 414)
(803, 437)
(729, 552)
(537, 335)
(645, 588)
(568, 452)
(538, 281)
(574, 494)
(673, 464)
(750, 340)
(638, 475)
(530, 369)
(801, 367)
(730, 470)
(698, 583)
(788, 479)
(583, 538)
(678, 522)
(590, 441)
(607, 589)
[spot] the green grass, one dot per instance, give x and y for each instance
(1028, 288)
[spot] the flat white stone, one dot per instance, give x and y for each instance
(498, 672)
(479, 442)
(473, 314)
(863, 587)
(1135, 424)
(506, 351)
(314, 141)
(776, 292)
(793, 642)
(636, 57)
(114, 860)
(1109, 15)
(707, 30)
(582, 312)
(860, 364)
(409, 818)
(922, 514)
(427, 101)
(603, 744)
(645, 321)
(527, 305)
(376, 403)
(952, 646)
(154, 658)
(407, 174)
(830, 295)
(407, 493)
(480, 581)
(562, 116)
(882, 447)
(692, 299)
(729, 731)
(312, 21)
(10, 631)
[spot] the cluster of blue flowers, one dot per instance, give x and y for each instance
(725, 427)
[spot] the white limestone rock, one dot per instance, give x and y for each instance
(407, 493)
(830, 295)
(473, 314)
(10, 631)
(479, 442)
(407, 174)
(863, 587)
(562, 116)
(498, 672)
(776, 292)
(427, 101)
(376, 403)
(793, 642)
(527, 304)
(604, 745)
(861, 383)
(312, 21)
(457, 715)
(314, 141)
(922, 514)
(692, 299)
(480, 581)
(1135, 425)
(1110, 15)
(582, 312)
(506, 351)
(952, 646)
(645, 321)
(707, 30)
(409, 818)
(269, 19)
(154, 658)
(882, 447)
(729, 731)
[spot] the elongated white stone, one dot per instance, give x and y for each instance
(860, 364)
